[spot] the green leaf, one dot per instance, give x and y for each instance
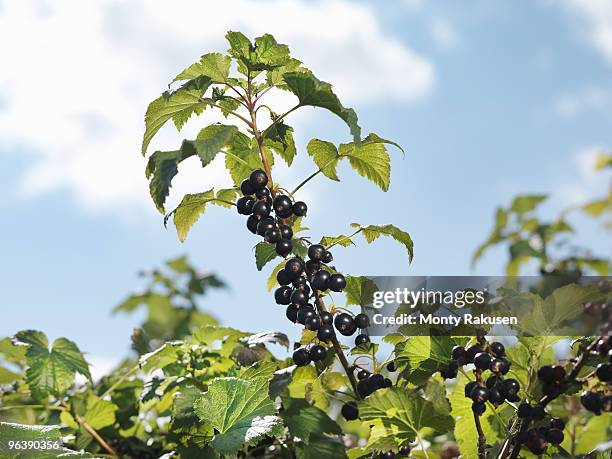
(162, 167)
(264, 54)
(51, 372)
(264, 253)
(360, 290)
(373, 232)
(100, 413)
(280, 139)
(159, 358)
(242, 157)
(210, 141)
(179, 107)
(304, 420)
(314, 92)
(7, 376)
(370, 160)
(213, 65)
(321, 447)
(258, 370)
(426, 352)
(325, 156)
(526, 203)
(189, 211)
(272, 282)
(341, 240)
(240, 411)
(597, 208)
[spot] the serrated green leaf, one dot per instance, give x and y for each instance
(179, 107)
(213, 65)
(240, 411)
(189, 211)
(159, 358)
(162, 167)
(360, 290)
(51, 372)
(370, 160)
(100, 413)
(258, 370)
(242, 157)
(341, 240)
(210, 141)
(272, 282)
(526, 203)
(304, 420)
(325, 156)
(264, 252)
(302, 377)
(373, 232)
(280, 139)
(7, 376)
(321, 447)
(314, 92)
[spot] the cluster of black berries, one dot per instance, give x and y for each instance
(403, 452)
(594, 401)
(537, 439)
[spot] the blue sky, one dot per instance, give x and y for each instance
(489, 100)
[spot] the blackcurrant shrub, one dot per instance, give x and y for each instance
(337, 282)
(345, 324)
(362, 321)
(482, 360)
(316, 252)
(263, 194)
(252, 222)
(546, 374)
(388, 383)
(497, 365)
(282, 295)
(349, 411)
(244, 205)
(493, 381)
(364, 387)
(325, 333)
(286, 231)
(301, 357)
(320, 280)
(537, 412)
(558, 373)
(327, 257)
(387, 455)
(449, 372)
(300, 282)
(317, 353)
(469, 387)
(361, 339)
(471, 352)
(282, 204)
(405, 450)
(258, 179)
(458, 353)
(246, 188)
(606, 404)
(495, 396)
(272, 235)
(312, 266)
(284, 247)
(261, 208)
(300, 209)
(497, 349)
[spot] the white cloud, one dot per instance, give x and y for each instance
(590, 99)
(443, 33)
(587, 183)
(76, 78)
(595, 22)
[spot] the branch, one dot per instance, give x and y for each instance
(97, 436)
(280, 118)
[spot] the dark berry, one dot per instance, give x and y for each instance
(258, 179)
(261, 208)
(320, 280)
(606, 404)
(391, 367)
(497, 349)
(337, 282)
(282, 278)
(388, 383)
(362, 321)
(312, 323)
(317, 353)
(301, 357)
(284, 247)
(524, 410)
(557, 423)
(326, 318)
(482, 360)
(555, 436)
(458, 353)
(479, 394)
(312, 266)
(469, 387)
(300, 283)
(448, 372)
(349, 411)
(345, 324)
(497, 365)
(492, 381)
(361, 339)
(364, 387)
(292, 312)
(327, 257)
(479, 408)
(362, 374)
(316, 252)
(592, 401)
(245, 205)
(558, 373)
(246, 188)
(282, 295)
(294, 267)
(546, 374)
(387, 455)
(305, 313)
(405, 450)
(252, 222)
(537, 412)
(282, 204)
(471, 352)
(265, 224)
(602, 347)
(272, 235)
(264, 194)
(325, 333)
(299, 297)
(514, 398)
(300, 209)
(286, 231)
(604, 372)
(495, 396)
(377, 381)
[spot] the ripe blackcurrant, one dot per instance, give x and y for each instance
(391, 367)
(300, 282)
(497, 349)
(292, 312)
(479, 394)
(405, 450)
(449, 372)
(555, 436)
(524, 410)
(337, 282)
(325, 333)
(492, 381)
(265, 224)
(294, 267)
(272, 235)
(471, 352)
(537, 412)
(469, 387)
(299, 297)
(558, 373)
(282, 278)
(482, 360)
(261, 208)
(361, 339)
(345, 324)
(557, 423)
(282, 204)
(312, 323)
(312, 266)
(496, 366)
(282, 295)
(326, 318)
(362, 321)
(511, 386)
(246, 188)
(604, 372)
(388, 383)
(320, 280)
(245, 205)
(546, 374)
(258, 179)
(305, 313)
(286, 231)
(387, 455)
(362, 374)
(317, 353)
(479, 408)
(592, 401)
(252, 222)
(264, 194)
(458, 353)
(349, 411)
(316, 252)
(495, 396)
(327, 257)
(284, 247)
(377, 381)
(364, 387)
(606, 403)
(301, 357)
(299, 209)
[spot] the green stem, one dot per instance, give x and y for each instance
(120, 381)
(37, 407)
(350, 236)
(277, 120)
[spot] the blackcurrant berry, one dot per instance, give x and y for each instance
(246, 188)
(405, 450)
(326, 318)
(337, 282)
(492, 381)
(349, 411)
(301, 357)
(362, 321)
(377, 381)
(555, 436)
(558, 373)
(284, 247)
(325, 333)
(448, 373)
(312, 323)
(467, 390)
(387, 455)
(514, 398)
(364, 387)
(479, 408)
(345, 324)
(327, 257)
(264, 194)
(496, 366)
(557, 423)
(482, 360)
(316, 252)
(252, 222)
(320, 280)
(272, 235)
(604, 372)
(294, 267)
(495, 396)
(391, 367)
(546, 374)
(299, 297)
(300, 282)
(362, 374)
(258, 179)
(479, 394)
(265, 224)
(282, 295)
(606, 403)
(524, 410)
(592, 401)
(282, 278)
(299, 209)
(511, 386)
(458, 353)
(245, 205)
(261, 208)
(286, 231)
(537, 412)
(317, 353)
(497, 349)
(292, 313)
(388, 383)
(361, 339)
(305, 313)
(281, 204)
(471, 352)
